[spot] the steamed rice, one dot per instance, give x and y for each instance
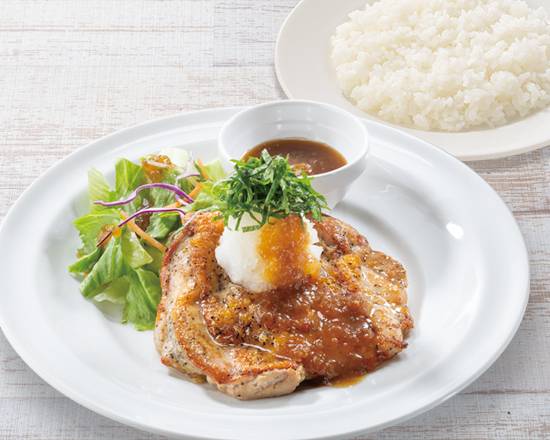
(445, 64)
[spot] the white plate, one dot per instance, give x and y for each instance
(304, 71)
(465, 257)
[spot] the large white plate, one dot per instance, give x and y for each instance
(464, 254)
(304, 71)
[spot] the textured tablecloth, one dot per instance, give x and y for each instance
(75, 70)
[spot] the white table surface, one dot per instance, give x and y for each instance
(74, 70)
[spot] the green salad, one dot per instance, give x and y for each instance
(129, 227)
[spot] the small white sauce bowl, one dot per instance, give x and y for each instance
(301, 119)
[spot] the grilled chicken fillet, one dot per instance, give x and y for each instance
(254, 345)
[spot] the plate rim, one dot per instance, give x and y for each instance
(463, 157)
(220, 113)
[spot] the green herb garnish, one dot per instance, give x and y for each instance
(265, 187)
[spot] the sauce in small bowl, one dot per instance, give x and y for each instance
(300, 124)
(312, 157)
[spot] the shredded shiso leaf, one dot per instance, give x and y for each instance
(262, 187)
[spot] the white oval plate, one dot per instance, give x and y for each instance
(304, 70)
(465, 258)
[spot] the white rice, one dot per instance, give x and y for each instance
(445, 64)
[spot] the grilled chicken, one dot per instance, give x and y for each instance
(252, 345)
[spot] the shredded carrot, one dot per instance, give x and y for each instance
(142, 234)
(202, 169)
(173, 205)
(196, 190)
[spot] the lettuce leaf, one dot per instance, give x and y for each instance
(115, 292)
(157, 257)
(86, 263)
(215, 170)
(142, 299)
(128, 176)
(109, 267)
(132, 250)
(98, 188)
(89, 227)
(206, 200)
(160, 225)
(117, 277)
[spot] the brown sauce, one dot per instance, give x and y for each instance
(284, 247)
(337, 382)
(303, 154)
(323, 325)
(324, 330)
(346, 381)
(154, 167)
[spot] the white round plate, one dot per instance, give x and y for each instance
(304, 70)
(465, 258)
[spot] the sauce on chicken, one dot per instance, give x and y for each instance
(284, 248)
(315, 325)
(327, 324)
